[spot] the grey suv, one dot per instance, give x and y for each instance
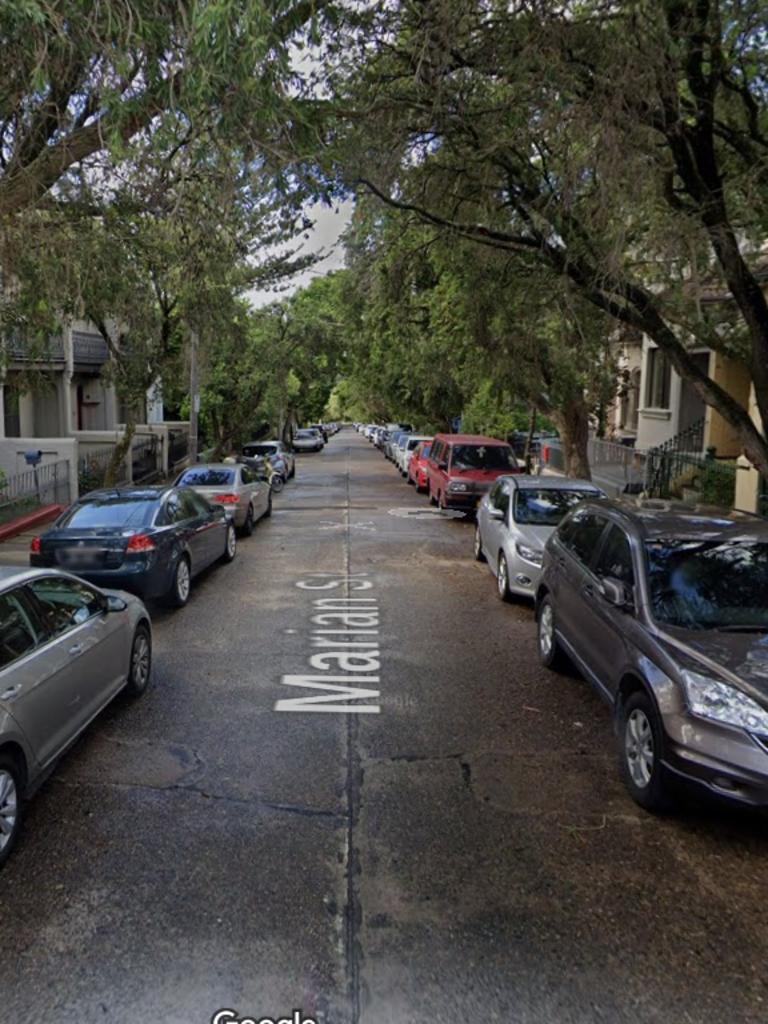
(664, 608)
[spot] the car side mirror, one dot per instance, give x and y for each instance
(113, 603)
(495, 513)
(617, 593)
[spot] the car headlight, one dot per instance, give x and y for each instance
(458, 486)
(713, 699)
(530, 554)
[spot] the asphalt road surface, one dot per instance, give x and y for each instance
(466, 853)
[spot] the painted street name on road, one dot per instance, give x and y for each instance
(345, 635)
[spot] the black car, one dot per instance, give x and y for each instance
(150, 541)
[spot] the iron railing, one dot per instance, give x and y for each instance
(92, 469)
(670, 473)
(144, 460)
(47, 484)
(178, 447)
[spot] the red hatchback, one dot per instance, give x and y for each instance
(462, 467)
(417, 467)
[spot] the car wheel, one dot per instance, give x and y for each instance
(10, 806)
(230, 545)
(276, 484)
(292, 474)
(178, 594)
(550, 653)
(140, 669)
(478, 546)
(432, 498)
(248, 524)
(640, 753)
(502, 578)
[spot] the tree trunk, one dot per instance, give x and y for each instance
(573, 423)
(115, 469)
(529, 440)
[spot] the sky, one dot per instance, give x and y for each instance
(329, 223)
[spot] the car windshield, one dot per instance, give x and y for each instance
(116, 511)
(207, 477)
(483, 456)
(545, 506)
(705, 584)
(424, 452)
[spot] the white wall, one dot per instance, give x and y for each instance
(54, 449)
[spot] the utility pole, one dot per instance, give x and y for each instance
(194, 396)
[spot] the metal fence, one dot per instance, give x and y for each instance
(144, 459)
(178, 447)
(44, 485)
(670, 474)
(92, 469)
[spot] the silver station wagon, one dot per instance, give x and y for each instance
(66, 649)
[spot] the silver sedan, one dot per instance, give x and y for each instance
(515, 520)
(237, 488)
(66, 649)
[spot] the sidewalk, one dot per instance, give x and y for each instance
(15, 550)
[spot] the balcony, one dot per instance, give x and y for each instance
(21, 349)
(88, 350)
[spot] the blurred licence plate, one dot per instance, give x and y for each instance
(80, 556)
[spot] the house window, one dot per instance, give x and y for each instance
(659, 374)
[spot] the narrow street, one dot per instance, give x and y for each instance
(466, 853)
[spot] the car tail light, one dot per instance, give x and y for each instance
(35, 547)
(140, 542)
(226, 499)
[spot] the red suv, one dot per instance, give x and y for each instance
(462, 467)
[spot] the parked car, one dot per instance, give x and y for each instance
(463, 467)
(279, 454)
(662, 607)
(515, 520)
(307, 441)
(66, 649)
(238, 488)
(417, 466)
(151, 541)
(399, 447)
(393, 440)
(406, 449)
(321, 429)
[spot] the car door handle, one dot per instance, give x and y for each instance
(561, 561)
(11, 692)
(76, 649)
(588, 590)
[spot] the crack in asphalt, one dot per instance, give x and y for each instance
(255, 802)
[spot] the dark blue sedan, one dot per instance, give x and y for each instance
(150, 541)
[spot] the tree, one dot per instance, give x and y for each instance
(622, 146)
(82, 78)
(443, 329)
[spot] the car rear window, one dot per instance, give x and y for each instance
(306, 433)
(483, 456)
(117, 511)
(207, 477)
